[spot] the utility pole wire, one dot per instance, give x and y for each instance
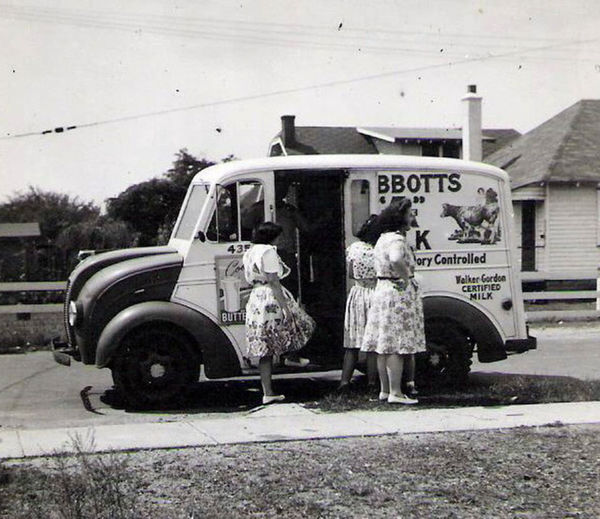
(253, 97)
(261, 33)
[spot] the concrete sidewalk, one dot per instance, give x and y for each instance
(286, 422)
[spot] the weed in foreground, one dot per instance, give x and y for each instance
(73, 486)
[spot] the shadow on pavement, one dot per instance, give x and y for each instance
(231, 396)
(482, 389)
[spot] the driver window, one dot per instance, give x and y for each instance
(240, 206)
(223, 226)
(252, 207)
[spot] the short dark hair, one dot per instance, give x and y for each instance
(265, 233)
(396, 216)
(369, 230)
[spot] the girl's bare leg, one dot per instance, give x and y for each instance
(409, 372)
(350, 358)
(372, 375)
(265, 368)
(394, 367)
(383, 375)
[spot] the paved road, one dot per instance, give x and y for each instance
(571, 350)
(37, 393)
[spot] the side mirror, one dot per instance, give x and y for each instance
(201, 236)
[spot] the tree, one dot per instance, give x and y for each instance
(185, 168)
(146, 206)
(95, 234)
(151, 207)
(53, 211)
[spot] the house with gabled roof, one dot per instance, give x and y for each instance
(555, 180)
(428, 142)
(470, 142)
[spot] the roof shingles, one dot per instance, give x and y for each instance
(565, 148)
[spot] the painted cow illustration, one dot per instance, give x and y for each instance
(477, 223)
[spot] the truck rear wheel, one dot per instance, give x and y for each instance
(155, 367)
(448, 357)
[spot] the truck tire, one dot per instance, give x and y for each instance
(155, 367)
(447, 360)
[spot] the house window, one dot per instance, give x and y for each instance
(451, 150)
(431, 149)
(276, 150)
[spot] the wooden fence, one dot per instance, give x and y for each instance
(32, 286)
(526, 277)
(540, 314)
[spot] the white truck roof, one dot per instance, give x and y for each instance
(224, 170)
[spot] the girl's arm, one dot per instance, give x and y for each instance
(398, 261)
(275, 285)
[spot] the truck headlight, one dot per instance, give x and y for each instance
(74, 314)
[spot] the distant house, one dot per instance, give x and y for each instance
(428, 142)
(17, 249)
(470, 142)
(555, 180)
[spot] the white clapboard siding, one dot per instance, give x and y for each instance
(571, 234)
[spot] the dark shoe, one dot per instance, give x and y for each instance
(411, 391)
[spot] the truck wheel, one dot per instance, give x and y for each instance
(155, 367)
(448, 357)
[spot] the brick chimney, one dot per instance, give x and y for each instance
(288, 130)
(471, 130)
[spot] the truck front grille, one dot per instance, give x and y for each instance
(68, 331)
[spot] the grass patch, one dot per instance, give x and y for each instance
(481, 390)
(75, 486)
(524, 473)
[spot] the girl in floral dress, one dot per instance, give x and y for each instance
(275, 323)
(361, 268)
(395, 324)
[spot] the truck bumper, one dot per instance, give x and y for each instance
(521, 345)
(63, 353)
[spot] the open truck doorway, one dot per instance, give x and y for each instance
(309, 207)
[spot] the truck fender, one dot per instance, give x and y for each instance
(218, 354)
(490, 346)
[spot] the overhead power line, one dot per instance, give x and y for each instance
(275, 34)
(253, 97)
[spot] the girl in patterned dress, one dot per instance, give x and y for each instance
(395, 325)
(361, 268)
(275, 323)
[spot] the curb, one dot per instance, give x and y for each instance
(290, 422)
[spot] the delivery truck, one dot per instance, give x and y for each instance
(155, 315)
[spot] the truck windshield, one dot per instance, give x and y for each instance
(191, 213)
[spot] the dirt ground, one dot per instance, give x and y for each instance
(530, 472)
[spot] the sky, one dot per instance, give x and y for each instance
(140, 80)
